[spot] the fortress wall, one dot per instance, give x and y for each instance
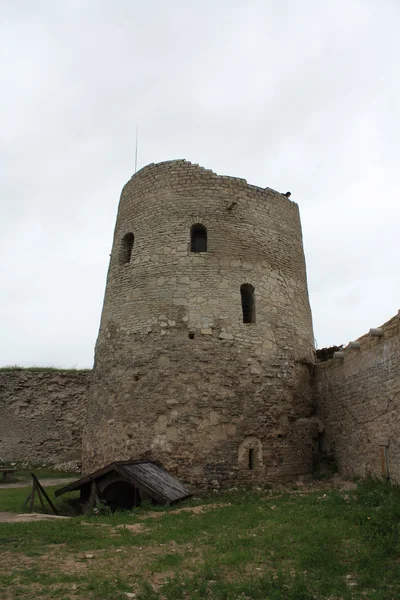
(42, 415)
(358, 400)
(178, 376)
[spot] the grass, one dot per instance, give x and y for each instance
(42, 473)
(22, 474)
(11, 500)
(298, 545)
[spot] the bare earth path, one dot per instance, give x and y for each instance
(45, 482)
(9, 517)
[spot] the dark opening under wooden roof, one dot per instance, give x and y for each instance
(146, 475)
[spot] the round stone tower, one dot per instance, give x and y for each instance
(205, 345)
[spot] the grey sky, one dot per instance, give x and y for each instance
(300, 96)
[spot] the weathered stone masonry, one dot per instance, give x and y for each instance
(181, 378)
(358, 400)
(42, 415)
(178, 375)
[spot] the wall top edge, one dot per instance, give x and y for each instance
(187, 165)
(367, 341)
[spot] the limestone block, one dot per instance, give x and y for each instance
(377, 332)
(180, 301)
(354, 345)
(225, 336)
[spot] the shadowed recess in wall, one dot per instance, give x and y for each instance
(126, 248)
(198, 238)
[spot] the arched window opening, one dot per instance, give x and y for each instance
(126, 248)
(248, 303)
(198, 238)
(251, 459)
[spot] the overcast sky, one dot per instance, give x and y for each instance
(299, 95)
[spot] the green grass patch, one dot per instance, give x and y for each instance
(326, 544)
(22, 474)
(12, 499)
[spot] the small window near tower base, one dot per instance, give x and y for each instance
(198, 238)
(248, 303)
(126, 248)
(251, 459)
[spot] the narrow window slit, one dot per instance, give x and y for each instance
(251, 459)
(248, 303)
(126, 248)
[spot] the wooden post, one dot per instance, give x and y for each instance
(27, 500)
(387, 462)
(94, 498)
(32, 496)
(41, 499)
(383, 461)
(37, 487)
(40, 488)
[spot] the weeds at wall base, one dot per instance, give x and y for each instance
(324, 466)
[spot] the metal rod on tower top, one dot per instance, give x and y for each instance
(137, 137)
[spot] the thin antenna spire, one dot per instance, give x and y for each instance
(137, 138)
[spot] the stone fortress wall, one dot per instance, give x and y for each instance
(358, 400)
(42, 416)
(178, 376)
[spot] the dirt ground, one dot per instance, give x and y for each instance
(27, 482)
(9, 517)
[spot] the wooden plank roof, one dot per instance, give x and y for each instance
(146, 475)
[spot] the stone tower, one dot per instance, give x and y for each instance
(203, 356)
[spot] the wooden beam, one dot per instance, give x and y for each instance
(41, 489)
